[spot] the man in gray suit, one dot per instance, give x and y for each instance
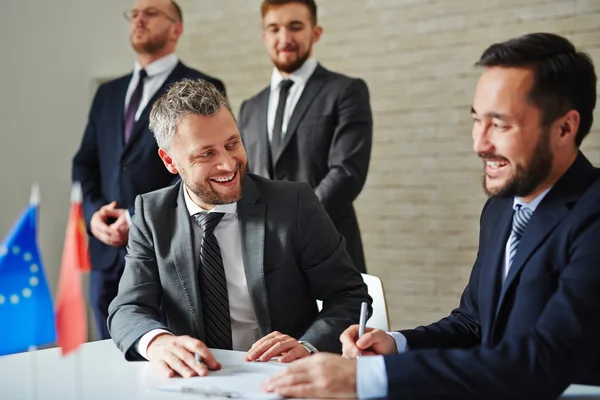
(224, 259)
(310, 124)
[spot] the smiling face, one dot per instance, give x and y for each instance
(208, 154)
(507, 134)
(289, 34)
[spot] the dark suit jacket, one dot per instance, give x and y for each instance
(292, 253)
(327, 145)
(110, 170)
(536, 334)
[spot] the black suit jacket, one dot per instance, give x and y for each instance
(110, 170)
(292, 256)
(327, 145)
(538, 332)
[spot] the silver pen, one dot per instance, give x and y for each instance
(362, 323)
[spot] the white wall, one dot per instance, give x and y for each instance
(48, 68)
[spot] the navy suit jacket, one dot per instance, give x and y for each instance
(110, 170)
(533, 335)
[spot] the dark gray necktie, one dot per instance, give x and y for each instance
(284, 90)
(134, 103)
(213, 285)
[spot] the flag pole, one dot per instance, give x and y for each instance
(32, 392)
(78, 378)
(76, 197)
(34, 200)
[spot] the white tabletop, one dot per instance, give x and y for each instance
(105, 375)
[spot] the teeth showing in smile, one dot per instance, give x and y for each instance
(224, 178)
(496, 164)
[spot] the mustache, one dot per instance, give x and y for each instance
(491, 157)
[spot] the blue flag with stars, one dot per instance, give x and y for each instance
(26, 311)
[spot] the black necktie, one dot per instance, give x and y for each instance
(134, 103)
(284, 90)
(213, 285)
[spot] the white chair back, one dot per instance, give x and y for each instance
(379, 319)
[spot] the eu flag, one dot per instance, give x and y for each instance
(26, 312)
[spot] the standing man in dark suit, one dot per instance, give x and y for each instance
(118, 158)
(310, 125)
(224, 259)
(528, 323)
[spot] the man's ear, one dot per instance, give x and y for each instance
(568, 127)
(168, 161)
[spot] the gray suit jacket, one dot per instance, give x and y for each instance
(292, 253)
(327, 145)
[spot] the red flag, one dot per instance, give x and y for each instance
(71, 321)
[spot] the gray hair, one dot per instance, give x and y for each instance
(184, 97)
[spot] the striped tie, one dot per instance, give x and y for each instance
(213, 285)
(520, 220)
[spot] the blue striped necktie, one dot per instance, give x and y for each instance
(520, 219)
(213, 285)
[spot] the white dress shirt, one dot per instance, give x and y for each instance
(371, 377)
(158, 72)
(244, 327)
(300, 77)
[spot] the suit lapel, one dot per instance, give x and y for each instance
(492, 265)
(143, 121)
(549, 213)
(185, 261)
(119, 113)
(313, 86)
(263, 133)
(251, 217)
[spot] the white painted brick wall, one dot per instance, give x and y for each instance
(419, 211)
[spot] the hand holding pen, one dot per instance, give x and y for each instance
(359, 340)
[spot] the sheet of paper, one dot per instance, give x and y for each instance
(238, 382)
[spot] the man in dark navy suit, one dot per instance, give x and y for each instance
(118, 158)
(528, 323)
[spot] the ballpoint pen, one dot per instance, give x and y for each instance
(362, 323)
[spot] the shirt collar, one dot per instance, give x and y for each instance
(159, 66)
(533, 204)
(194, 208)
(299, 76)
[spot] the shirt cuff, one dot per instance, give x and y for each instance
(401, 344)
(142, 347)
(371, 377)
(128, 218)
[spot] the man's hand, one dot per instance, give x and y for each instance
(172, 355)
(104, 232)
(276, 344)
(121, 227)
(373, 342)
(319, 376)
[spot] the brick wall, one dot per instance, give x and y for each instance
(419, 210)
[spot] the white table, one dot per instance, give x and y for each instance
(105, 375)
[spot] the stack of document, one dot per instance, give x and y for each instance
(231, 382)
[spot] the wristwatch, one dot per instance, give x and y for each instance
(309, 347)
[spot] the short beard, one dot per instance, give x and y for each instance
(209, 196)
(151, 46)
(293, 66)
(527, 178)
